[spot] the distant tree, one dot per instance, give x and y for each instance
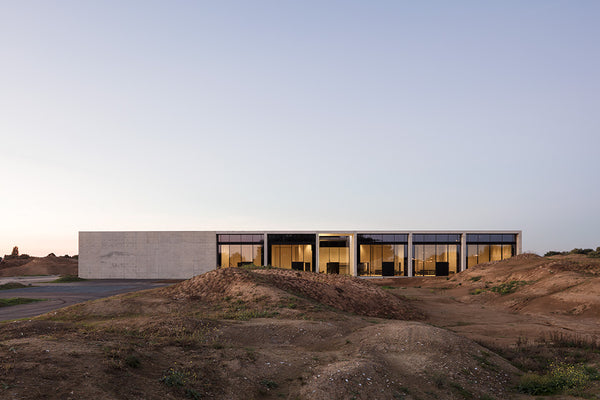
(552, 253)
(15, 251)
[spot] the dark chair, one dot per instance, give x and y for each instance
(442, 268)
(387, 268)
(307, 266)
(333, 267)
(298, 265)
(363, 268)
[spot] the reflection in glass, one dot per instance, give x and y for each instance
(495, 252)
(292, 256)
(507, 251)
(224, 250)
(334, 254)
(484, 253)
(257, 254)
(430, 259)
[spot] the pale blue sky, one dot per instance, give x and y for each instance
(184, 115)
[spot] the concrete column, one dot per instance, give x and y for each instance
(317, 266)
(353, 258)
(410, 254)
(265, 249)
(519, 246)
(463, 251)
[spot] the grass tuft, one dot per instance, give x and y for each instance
(12, 285)
(68, 278)
(14, 301)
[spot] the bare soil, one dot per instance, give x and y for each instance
(269, 334)
(49, 265)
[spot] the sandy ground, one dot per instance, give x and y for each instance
(58, 295)
(49, 265)
(271, 334)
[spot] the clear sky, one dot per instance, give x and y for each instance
(224, 115)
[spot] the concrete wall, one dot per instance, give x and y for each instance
(146, 255)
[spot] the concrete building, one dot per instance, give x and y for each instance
(181, 255)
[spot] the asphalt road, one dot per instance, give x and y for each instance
(58, 295)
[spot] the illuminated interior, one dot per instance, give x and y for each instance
(239, 250)
(482, 248)
(334, 254)
(292, 251)
(382, 254)
(436, 255)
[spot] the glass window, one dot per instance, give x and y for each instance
(506, 238)
(401, 238)
(247, 253)
(235, 255)
(472, 255)
(507, 251)
(453, 255)
(442, 253)
(286, 256)
(387, 238)
(429, 256)
(323, 259)
(275, 255)
(441, 238)
(223, 238)
(400, 260)
(224, 251)
(484, 253)
(496, 238)
(418, 263)
(495, 252)
(257, 254)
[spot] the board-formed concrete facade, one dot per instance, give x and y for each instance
(146, 255)
(182, 255)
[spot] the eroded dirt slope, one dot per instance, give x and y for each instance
(237, 334)
(49, 265)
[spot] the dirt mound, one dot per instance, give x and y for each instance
(341, 292)
(50, 265)
(529, 283)
(396, 353)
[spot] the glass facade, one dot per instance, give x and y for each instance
(482, 248)
(292, 251)
(436, 255)
(334, 254)
(382, 254)
(373, 254)
(238, 250)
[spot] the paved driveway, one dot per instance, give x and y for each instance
(59, 295)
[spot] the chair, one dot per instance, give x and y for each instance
(333, 267)
(387, 268)
(298, 265)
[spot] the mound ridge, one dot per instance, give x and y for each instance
(344, 293)
(49, 265)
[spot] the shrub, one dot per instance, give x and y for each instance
(15, 301)
(559, 377)
(174, 378)
(269, 384)
(553, 253)
(133, 362)
(508, 287)
(68, 278)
